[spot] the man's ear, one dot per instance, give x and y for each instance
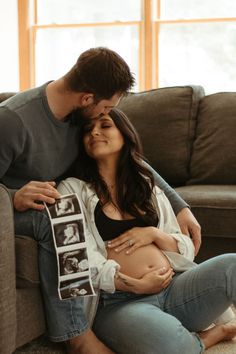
(87, 99)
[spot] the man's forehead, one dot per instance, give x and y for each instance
(113, 101)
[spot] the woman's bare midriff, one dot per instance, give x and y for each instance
(141, 261)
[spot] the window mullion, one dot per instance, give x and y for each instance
(24, 44)
(148, 47)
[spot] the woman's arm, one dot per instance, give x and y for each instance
(142, 236)
(151, 283)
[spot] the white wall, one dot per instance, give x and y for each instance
(9, 67)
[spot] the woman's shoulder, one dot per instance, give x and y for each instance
(160, 197)
(158, 191)
(74, 185)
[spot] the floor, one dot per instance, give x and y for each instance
(43, 346)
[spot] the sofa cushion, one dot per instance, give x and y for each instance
(165, 120)
(27, 274)
(214, 159)
(5, 95)
(214, 207)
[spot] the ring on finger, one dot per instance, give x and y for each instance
(130, 243)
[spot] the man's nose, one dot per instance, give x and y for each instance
(106, 110)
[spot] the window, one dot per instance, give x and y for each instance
(196, 44)
(165, 42)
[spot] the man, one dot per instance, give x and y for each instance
(38, 148)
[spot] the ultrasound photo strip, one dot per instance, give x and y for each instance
(67, 223)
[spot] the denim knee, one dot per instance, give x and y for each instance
(42, 227)
(33, 223)
(142, 328)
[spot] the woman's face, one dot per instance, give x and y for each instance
(102, 138)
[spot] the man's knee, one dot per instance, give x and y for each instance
(33, 223)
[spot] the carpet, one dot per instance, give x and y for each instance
(43, 346)
(227, 347)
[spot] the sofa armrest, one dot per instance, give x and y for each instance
(7, 274)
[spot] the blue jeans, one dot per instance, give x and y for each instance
(65, 318)
(167, 323)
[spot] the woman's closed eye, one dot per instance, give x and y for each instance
(106, 125)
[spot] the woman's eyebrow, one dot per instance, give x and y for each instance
(105, 119)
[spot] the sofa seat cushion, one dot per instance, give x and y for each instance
(27, 274)
(213, 158)
(165, 119)
(214, 206)
(30, 316)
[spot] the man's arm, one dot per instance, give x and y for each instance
(176, 201)
(12, 144)
(187, 222)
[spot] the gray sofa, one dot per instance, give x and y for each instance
(190, 139)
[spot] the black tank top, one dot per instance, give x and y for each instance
(110, 228)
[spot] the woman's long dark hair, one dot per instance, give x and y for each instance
(134, 182)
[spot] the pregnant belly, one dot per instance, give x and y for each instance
(141, 261)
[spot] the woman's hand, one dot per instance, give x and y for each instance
(156, 280)
(152, 282)
(133, 239)
(142, 236)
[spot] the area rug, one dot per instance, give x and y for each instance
(43, 346)
(228, 347)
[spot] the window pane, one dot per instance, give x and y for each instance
(199, 54)
(89, 11)
(197, 8)
(58, 49)
(9, 69)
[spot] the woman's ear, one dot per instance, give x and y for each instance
(87, 99)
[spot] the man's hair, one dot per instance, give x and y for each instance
(100, 71)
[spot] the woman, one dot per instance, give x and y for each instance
(153, 296)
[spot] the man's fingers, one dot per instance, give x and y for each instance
(36, 206)
(185, 230)
(197, 244)
(50, 184)
(46, 190)
(33, 192)
(42, 198)
(43, 186)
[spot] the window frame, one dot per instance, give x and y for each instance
(148, 27)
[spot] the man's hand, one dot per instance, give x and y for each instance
(33, 192)
(189, 226)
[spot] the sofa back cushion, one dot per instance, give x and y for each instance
(5, 95)
(165, 120)
(214, 153)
